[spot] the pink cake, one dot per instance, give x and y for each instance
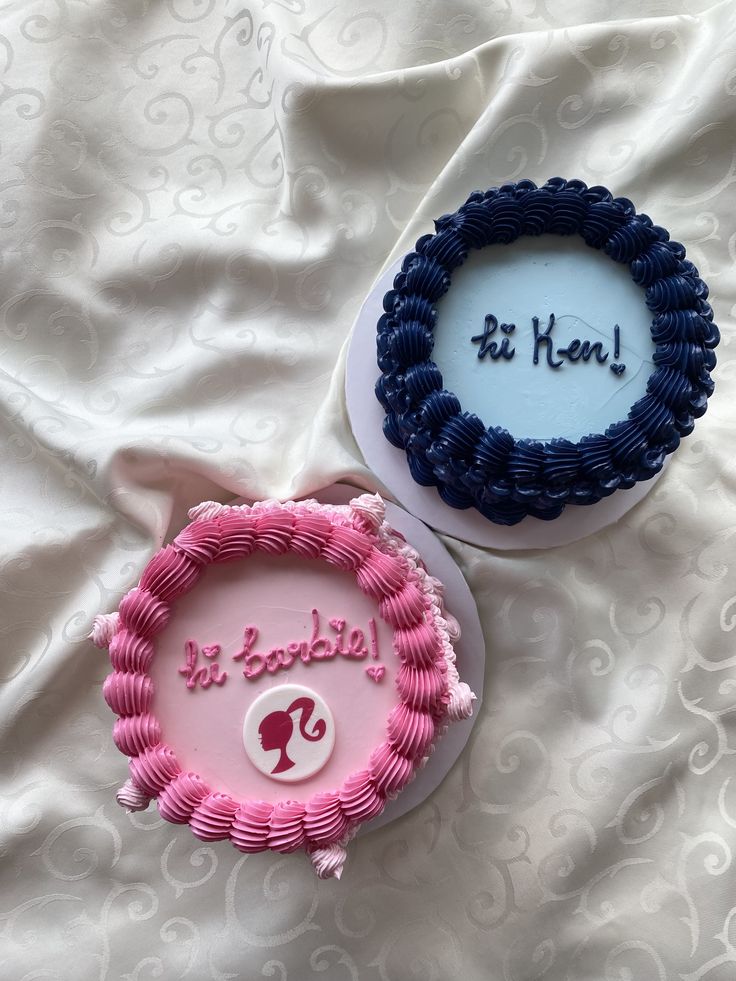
(296, 689)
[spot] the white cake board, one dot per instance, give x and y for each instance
(470, 650)
(390, 467)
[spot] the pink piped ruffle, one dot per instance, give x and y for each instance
(213, 818)
(153, 769)
(200, 540)
(421, 688)
(403, 608)
(170, 573)
(137, 732)
(311, 533)
(359, 798)
(142, 613)
(238, 530)
(410, 732)
(127, 693)
(128, 652)
(380, 574)
(325, 820)
(250, 828)
(286, 832)
(274, 531)
(418, 645)
(347, 548)
(390, 771)
(177, 800)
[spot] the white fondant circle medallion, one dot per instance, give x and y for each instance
(289, 733)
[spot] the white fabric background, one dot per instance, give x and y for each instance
(195, 197)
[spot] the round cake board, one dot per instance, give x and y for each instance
(470, 650)
(389, 463)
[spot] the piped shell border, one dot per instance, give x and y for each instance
(355, 538)
(503, 477)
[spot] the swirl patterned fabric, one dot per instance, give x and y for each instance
(195, 199)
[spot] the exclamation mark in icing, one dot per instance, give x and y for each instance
(617, 367)
(374, 638)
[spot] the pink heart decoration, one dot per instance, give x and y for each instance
(337, 623)
(211, 650)
(376, 672)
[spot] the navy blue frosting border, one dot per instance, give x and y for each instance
(474, 465)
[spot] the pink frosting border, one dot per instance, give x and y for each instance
(353, 537)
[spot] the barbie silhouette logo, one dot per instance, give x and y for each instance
(289, 733)
(277, 728)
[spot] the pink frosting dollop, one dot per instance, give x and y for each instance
(128, 652)
(170, 573)
(369, 512)
(410, 732)
(132, 798)
(137, 732)
(328, 860)
(403, 608)
(359, 798)
(380, 574)
(213, 818)
(104, 627)
(153, 769)
(200, 540)
(274, 531)
(418, 645)
(238, 530)
(178, 799)
(127, 693)
(142, 613)
(286, 832)
(390, 771)
(325, 820)
(421, 688)
(346, 548)
(311, 532)
(460, 705)
(250, 828)
(209, 509)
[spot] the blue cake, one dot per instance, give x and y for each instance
(524, 388)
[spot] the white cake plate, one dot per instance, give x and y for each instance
(470, 650)
(390, 467)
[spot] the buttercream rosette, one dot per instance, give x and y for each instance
(429, 693)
